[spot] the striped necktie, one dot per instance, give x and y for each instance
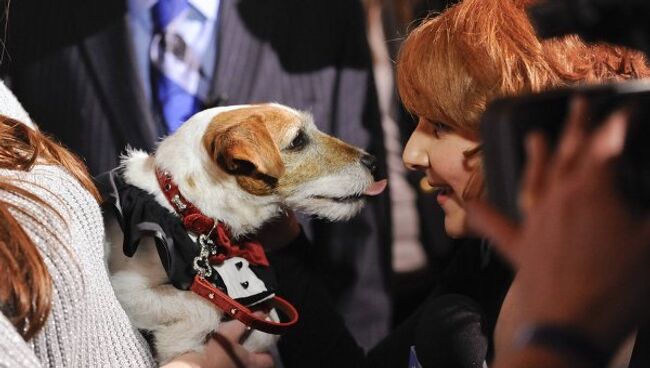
(175, 70)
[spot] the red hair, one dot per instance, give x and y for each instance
(25, 283)
(452, 65)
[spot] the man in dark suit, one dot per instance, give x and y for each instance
(76, 66)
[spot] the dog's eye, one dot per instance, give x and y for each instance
(299, 142)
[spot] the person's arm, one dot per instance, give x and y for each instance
(581, 254)
(537, 358)
(320, 339)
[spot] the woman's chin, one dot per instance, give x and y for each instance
(454, 233)
(456, 226)
(455, 217)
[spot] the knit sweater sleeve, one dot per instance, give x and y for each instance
(9, 106)
(86, 327)
(15, 353)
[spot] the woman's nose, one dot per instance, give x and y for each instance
(415, 155)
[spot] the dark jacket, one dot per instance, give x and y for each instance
(321, 339)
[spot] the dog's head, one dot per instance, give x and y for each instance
(277, 156)
(271, 149)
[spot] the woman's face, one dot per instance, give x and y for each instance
(437, 150)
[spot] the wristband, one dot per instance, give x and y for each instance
(565, 340)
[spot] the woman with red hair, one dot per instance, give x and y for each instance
(453, 65)
(449, 69)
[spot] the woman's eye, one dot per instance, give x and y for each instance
(440, 128)
(299, 142)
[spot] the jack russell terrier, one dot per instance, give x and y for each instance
(189, 210)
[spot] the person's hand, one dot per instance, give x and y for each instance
(279, 232)
(582, 257)
(223, 350)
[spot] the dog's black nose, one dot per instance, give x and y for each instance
(369, 161)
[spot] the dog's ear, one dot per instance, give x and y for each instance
(246, 149)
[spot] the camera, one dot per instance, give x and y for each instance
(507, 121)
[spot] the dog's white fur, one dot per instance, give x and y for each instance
(180, 320)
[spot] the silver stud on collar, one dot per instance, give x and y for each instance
(178, 203)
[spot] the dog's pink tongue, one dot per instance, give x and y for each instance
(376, 188)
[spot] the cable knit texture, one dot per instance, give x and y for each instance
(10, 107)
(86, 327)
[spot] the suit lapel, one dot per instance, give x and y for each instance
(109, 54)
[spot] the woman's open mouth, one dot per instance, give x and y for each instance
(442, 190)
(439, 188)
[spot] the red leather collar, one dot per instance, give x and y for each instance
(198, 223)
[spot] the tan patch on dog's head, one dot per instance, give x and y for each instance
(240, 143)
(271, 149)
(257, 145)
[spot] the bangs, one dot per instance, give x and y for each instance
(432, 80)
(452, 65)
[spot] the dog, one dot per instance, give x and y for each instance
(242, 166)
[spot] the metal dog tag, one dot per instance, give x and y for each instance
(201, 262)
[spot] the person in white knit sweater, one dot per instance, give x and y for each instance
(58, 308)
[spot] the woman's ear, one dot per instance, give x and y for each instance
(246, 149)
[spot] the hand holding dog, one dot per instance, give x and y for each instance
(223, 350)
(581, 255)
